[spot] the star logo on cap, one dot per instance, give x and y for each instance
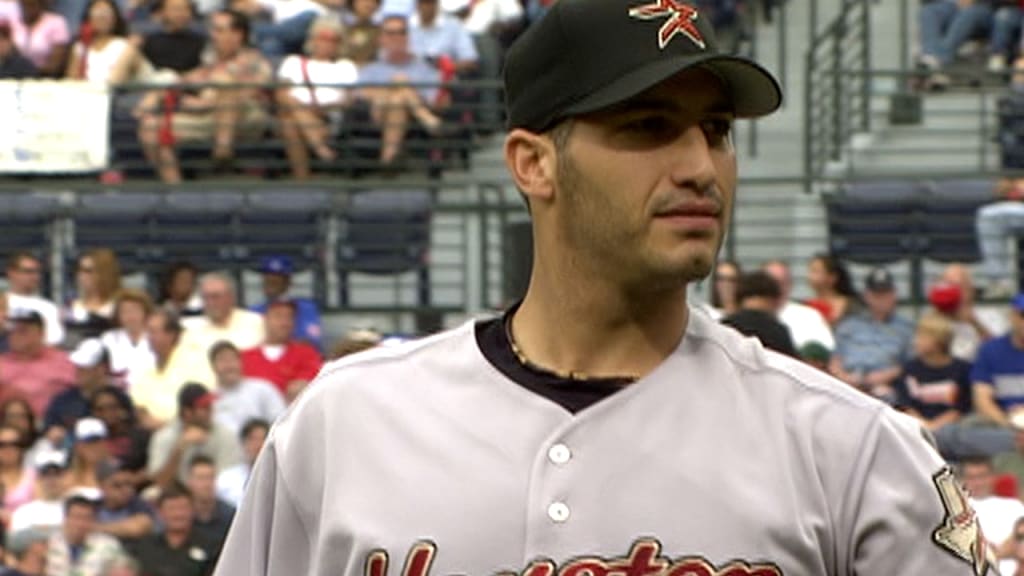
(681, 18)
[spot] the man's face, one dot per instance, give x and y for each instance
(218, 300)
(201, 416)
(977, 480)
(202, 481)
(227, 365)
(645, 189)
(92, 377)
(176, 514)
(118, 490)
(51, 482)
(160, 339)
(25, 338)
(275, 285)
(780, 273)
(78, 523)
(280, 322)
(427, 10)
(394, 38)
(365, 9)
(1017, 324)
(880, 302)
(253, 443)
(177, 14)
(226, 40)
(25, 276)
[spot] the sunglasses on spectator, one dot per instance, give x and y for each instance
(10, 444)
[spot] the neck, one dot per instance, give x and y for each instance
(223, 321)
(1017, 340)
(935, 358)
(880, 316)
(626, 335)
(134, 334)
(163, 358)
(759, 304)
(204, 506)
(176, 538)
(29, 354)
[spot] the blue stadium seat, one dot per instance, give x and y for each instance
(874, 222)
(119, 221)
(27, 223)
(199, 228)
(947, 219)
(287, 222)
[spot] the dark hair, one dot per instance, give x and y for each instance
(394, 16)
(159, 5)
(239, 22)
(173, 491)
(221, 346)
(120, 26)
(985, 461)
(835, 267)
(118, 394)
(201, 460)
(758, 284)
(14, 260)
(29, 438)
(172, 322)
(716, 300)
(253, 424)
(170, 273)
(80, 500)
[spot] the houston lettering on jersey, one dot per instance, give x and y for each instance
(644, 559)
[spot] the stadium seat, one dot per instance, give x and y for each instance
(288, 222)
(119, 221)
(947, 219)
(28, 223)
(1011, 131)
(874, 222)
(199, 228)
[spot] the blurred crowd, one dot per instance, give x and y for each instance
(129, 421)
(949, 29)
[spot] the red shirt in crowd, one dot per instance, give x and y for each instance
(37, 380)
(299, 361)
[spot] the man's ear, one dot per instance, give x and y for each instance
(531, 159)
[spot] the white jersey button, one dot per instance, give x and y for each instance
(558, 512)
(559, 454)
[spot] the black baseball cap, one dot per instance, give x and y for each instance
(25, 316)
(587, 55)
(880, 280)
(193, 395)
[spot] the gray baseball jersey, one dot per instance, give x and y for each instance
(726, 460)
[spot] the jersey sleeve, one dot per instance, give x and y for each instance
(981, 371)
(906, 513)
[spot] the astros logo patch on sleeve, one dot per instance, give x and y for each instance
(960, 532)
(681, 19)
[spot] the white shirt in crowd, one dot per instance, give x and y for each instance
(806, 325)
(39, 514)
(486, 13)
(997, 515)
(100, 63)
(325, 77)
(251, 398)
(127, 356)
(231, 483)
(47, 309)
(281, 10)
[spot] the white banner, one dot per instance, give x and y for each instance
(54, 126)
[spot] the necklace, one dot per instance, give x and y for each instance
(564, 375)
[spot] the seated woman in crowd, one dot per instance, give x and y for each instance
(360, 43)
(179, 289)
(97, 279)
(103, 53)
(127, 343)
(16, 475)
(87, 452)
(17, 413)
(313, 106)
(126, 440)
(834, 294)
(41, 36)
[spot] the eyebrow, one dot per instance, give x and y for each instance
(720, 106)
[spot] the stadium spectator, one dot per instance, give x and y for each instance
(231, 481)
(222, 319)
(990, 320)
(996, 515)
(386, 85)
(194, 432)
(27, 549)
(871, 346)
(3, 325)
(31, 369)
(1005, 33)
(760, 299)
(948, 300)
(13, 65)
(127, 343)
(97, 280)
(805, 324)
(41, 36)
(176, 46)
(24, 273)
(353, 342)
(126, 440)
(103, 53)
(287, 363)
(16, 413)
(155, 391)
(78, 548)
(361, 39)
(212, 515)
(46, 510)
(435, 36)
(92, 372)
(946, 25)
(217, 109)
(724, 281)
(178, 550)
(88, 452)
(240, 399)
(310, 112)
(277, 272)
(996, 223)
(179, 289)
(999, 370)
(498, 19)
(834, 294)
(122, 514)
(289, 22)
(16, 476)
(1011, 554)
(934, 387)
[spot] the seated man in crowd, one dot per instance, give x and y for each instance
(194, 432)
(177, 46)
(946, 25)
(231, 482)
(178, 550)
(287, 363)
(13, 65)
(240, 399)
(46, 511)
(806, 325)
(78, 547)
(998, 374)
(277, 274)
(213, 516)
(997, 515)
(31, 369)
(872, 345)
(92, 372)
(996, 224)
(122, 513)
(24, 276)
(155, 390)
(390, 87)
(222, 319)
(760, 298)
(26, 552)
(214, 111)
(435, 36)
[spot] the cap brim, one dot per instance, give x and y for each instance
(754, 91)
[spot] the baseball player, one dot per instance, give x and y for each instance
(601, 427)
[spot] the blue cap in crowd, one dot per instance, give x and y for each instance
(277, 265)
(1018, 302)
